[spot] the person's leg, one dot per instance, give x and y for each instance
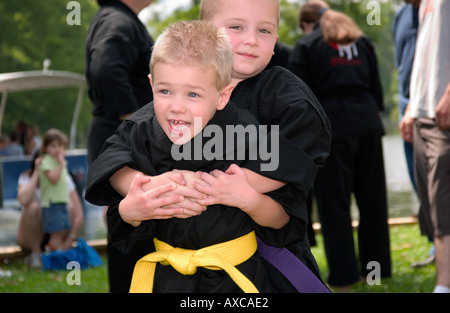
(332, 190)
(371, 197)
(29, 231)
(433, 165)
(57, 239)
(442, 244)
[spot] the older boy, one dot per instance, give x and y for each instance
(199, 95)
(275, 97)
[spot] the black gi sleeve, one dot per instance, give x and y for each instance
(304, 128)
(111, 59)
(115, 155)
(376, 88)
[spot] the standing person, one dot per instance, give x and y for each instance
(427, 124)
(53, 183)
(274, 97)
(404, 28)
(117, 54)
(339, 65)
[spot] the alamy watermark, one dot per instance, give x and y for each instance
(74, 16)
(74, 276)
(235, 142)
(374, 276)
(374, 16)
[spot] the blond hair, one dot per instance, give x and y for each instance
(208, 8)
(195, 43)
(335, 26)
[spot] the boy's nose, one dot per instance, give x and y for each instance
(178, 106)
(251, 38)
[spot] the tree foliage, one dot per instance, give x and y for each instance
(34, 30)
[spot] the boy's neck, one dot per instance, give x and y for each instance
(236, 81)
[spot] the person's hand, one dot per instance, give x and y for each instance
(183, 181)
(443, 111)
(61, 156)
(229, 188)
(140, 205)
(37, 162)
(406, 128)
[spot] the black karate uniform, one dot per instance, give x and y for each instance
(117, 56)
(303, 144)
(348, 86)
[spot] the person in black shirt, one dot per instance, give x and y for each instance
(338, 63)
(274, 97)
(117, 54)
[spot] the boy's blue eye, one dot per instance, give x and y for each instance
(193, 95)
(164, 91)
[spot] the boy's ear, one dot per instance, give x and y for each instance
(151, 80)
(224, 97)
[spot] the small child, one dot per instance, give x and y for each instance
(184, 106)
(54, 188)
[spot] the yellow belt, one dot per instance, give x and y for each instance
(223, 256)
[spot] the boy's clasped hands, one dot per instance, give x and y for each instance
(183, 194)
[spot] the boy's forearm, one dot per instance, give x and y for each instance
(266, 212)
(122, 179)
(261, 183)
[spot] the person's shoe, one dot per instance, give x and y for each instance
(35, 261)
(430, 260)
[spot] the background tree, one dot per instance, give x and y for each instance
(32, 31)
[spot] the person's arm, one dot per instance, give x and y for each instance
(406, 126)
(26, 192)
(261, 183)
(54, 175)
(232, 188)
(139, 205)
(443, 110)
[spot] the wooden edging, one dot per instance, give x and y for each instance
(15, 252)
(391, 221)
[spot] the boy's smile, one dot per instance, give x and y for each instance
(252, 27)
(178, 128)
(182, 95)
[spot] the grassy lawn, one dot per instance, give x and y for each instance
(92, 280)
(406, 244)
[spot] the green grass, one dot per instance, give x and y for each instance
(407, 246)
(92, 280)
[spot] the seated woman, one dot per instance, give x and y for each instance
(29, 233)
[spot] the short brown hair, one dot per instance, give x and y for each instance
(335, 26)
(54, 134)
(195, 43)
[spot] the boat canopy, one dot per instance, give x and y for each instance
(45, 79)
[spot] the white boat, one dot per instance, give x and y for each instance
(11, 167)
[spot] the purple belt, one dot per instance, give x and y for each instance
(292, 268)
